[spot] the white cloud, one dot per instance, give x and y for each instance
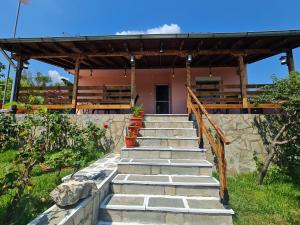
(55, 76)
(164, 29)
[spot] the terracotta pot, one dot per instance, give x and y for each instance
(130, 141)
(134, 129)
(141, 114)
(138, 121)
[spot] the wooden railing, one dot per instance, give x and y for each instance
(88, 97)
(215, 137)
(229, 96)
(50, 97)
(104, 97)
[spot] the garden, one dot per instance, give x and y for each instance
(36, 151)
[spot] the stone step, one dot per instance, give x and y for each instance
(162, 209)
(168, 141)
(163, 153)
(168, 132)
(166, 117)
(186, 185)
(165, 166)
(168, 124)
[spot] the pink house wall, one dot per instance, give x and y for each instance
(146, 79)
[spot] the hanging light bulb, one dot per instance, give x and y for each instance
(173, 73)
(91, 72)
(210, 73)
(125, 71)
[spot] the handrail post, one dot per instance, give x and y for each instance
(201, 141)
(222, 172)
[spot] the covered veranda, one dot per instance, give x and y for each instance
(186, 59)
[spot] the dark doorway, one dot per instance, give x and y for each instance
(162, 99)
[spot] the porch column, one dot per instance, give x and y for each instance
(133, 82)
(290, 60)
(75, 85)
(243, 80)
(188, 73)
(16, 84)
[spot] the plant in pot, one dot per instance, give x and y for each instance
(134, 128)
(135, 116)
(140, 109)
(130, 139)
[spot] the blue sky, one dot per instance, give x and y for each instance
(98, 17)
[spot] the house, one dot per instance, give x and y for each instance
(114, 72)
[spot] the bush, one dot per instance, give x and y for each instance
(8, 132)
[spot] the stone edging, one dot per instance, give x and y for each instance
(86, 211)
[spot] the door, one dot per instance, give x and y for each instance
(162, 99)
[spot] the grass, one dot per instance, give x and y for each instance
(38, 200)
(275, 203)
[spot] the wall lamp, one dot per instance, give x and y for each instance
(132, 59)
(283, 60)
(189, 58)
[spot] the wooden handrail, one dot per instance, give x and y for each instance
(218, 130)
(217, 141)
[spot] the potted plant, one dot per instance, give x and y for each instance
(140, 109)
(130, 139)
(134, 128)
(135, 116)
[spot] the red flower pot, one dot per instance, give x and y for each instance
(130, 141)
(138, 121)
(134, 129)
(141, 114)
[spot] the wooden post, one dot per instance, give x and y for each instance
(133, 84)
(188, 74)
(75, 85)
(16, 85)
(290, 60)
(243, 80)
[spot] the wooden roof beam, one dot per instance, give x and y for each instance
(183, 53)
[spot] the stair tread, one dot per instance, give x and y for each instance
(168, 162)
(166, 180)
(166, 148)
(169, 138)
(165, 203)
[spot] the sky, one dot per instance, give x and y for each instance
(45, 18)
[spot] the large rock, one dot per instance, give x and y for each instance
(70, 192)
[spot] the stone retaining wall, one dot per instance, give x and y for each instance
(86, 211)
(245, 140)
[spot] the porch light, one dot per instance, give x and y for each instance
(25, 65)
(189, 58)
(161, 47)
(210, 73)
(132, 59)
(283, 60)
(125, 71)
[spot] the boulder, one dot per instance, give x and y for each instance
(70, 192)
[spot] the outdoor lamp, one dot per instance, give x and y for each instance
(189, 58)
(210, 73)
(132, 59)
(25, 65)
(283, 60)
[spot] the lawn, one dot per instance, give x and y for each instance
(39, 200)
(277, 202)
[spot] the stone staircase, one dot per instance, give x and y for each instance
(166, 180)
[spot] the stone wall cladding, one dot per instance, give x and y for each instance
(245, 140)
(115, 130)
(86, 211)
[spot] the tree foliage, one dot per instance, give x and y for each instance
(281, 132)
